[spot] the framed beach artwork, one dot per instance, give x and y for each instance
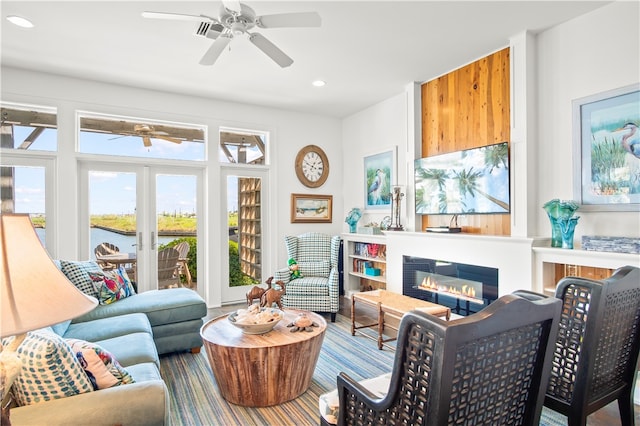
(379, 175)
(606, 172)
(311, 208)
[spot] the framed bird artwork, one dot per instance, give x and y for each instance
(379, 175)
(606, 170)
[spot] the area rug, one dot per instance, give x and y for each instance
(196, 400)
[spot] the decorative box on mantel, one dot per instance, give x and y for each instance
(369, 230)
(612, 244)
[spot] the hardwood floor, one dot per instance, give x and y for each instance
(607, 416)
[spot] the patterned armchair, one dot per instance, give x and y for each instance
(490, 368)
(317, 258)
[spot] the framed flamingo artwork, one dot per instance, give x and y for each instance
(606, 171)
(379, 175)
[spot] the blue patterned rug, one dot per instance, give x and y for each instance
(196, 400)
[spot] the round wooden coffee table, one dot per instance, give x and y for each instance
(264, 369)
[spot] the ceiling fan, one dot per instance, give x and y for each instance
(146, 132)
(237, 19)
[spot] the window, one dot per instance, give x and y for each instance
(23, 191)
(238, 147)
(133, 137)
(29, 128)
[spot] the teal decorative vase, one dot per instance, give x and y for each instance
(567, 227)
(352, 219)
(558, 211)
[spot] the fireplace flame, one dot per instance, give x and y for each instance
(430, 284)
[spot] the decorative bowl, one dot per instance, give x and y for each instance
(274, 315)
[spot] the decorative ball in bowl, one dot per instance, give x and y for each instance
(256, 320)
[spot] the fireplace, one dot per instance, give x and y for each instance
(464, 288)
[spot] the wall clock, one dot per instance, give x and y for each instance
(312, 166)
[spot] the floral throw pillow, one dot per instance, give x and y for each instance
(125, 280)
(108, 287)
(103, 370)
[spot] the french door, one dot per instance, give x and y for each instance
(245, 208)
(140, 209)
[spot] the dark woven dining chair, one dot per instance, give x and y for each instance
(596, 353)
(485, 369)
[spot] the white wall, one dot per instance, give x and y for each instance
(591, 54)
(383, 126)
(290, 131)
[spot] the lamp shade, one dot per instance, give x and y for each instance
(35, 293)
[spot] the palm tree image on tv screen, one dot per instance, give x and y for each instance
(472, 181)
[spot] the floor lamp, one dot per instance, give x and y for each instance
(34, 294)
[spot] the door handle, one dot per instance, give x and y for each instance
(139, 243)
(153, 240)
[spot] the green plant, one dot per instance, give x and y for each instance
(236, 276)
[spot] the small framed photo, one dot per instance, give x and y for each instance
(379, 175)
(311, 208)
(606, 148)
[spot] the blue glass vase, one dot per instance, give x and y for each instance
(352, 219)
(567, 228)
(559, 211)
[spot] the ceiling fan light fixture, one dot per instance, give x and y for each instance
(20, 21)
(318, 83)
(237, 28)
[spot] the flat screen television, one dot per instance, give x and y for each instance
(472, 181)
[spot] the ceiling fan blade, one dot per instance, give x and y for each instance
(215, 50)
(146, 140)
(232, 5)
(168, 138)
(289, 20)
(270, 49)
(176, 16)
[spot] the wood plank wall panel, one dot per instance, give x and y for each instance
(468, 108)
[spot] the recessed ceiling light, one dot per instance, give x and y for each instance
(319, 83)
(20, 21)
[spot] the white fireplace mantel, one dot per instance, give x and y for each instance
(522, 262)
(512, 256)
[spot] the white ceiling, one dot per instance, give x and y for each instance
(366, 51)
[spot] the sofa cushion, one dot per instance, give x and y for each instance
(78, 273)
(61, 327)
(103, 369)
(133, 348)
(144, 372)
(161, 307)
(107, 328)
(49, 371)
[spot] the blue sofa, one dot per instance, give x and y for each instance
(135, 330)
